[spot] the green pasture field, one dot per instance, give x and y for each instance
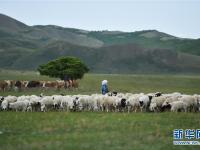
(98, 130)
(91, 83)
(93, 130)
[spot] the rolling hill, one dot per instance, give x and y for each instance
(149, 51)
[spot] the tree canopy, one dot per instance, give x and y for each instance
(64, 67)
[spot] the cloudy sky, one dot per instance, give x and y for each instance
(177, 17)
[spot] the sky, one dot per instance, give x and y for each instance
(180, 18)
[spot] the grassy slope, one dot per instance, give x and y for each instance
(26, 47)
(190, 46)
(97, 131)
(122, 83)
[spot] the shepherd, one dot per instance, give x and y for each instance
(104, 87)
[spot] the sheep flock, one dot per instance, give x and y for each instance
(111, 102)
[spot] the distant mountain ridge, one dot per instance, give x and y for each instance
(148, 51)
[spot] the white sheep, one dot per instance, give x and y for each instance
(178, 106)
(93, 103)
(190, 101)
(57, 101)
(156, 103)
(46, 103)
(82, 102)
(109, 103)
(34, 103)
(86, 102)
(10, 99)
(145, 101)
(99, 101)
(4, 105)
(19, 105)
(133, 102)
(169, 99)
(67, 103)
(7, 100)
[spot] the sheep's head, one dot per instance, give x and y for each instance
(2, 98)
(141, 103)
(166, 105)
(114, 93)
(76, 103)
(150, 97)
(110, 94)
(157, 94)
(123, 102)
(75, 100)
(128, 102)
(166, 102)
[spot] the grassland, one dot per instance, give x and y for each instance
(91, 83)
(98, 130)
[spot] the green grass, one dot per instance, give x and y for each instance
(91, 83)
(96, 131)
(99, 130)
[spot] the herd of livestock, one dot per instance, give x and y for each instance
(6, 85)
(111, 102)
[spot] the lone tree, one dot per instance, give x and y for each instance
(64, 68)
